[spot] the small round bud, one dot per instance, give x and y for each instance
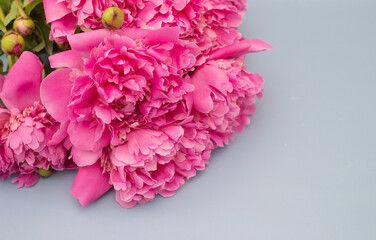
(44, 173)
(113, 18)
(12, 43)
(24, 25)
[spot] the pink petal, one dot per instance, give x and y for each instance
(123, 156)
(27, 180)
(21, 87)
(86, 41)
(161, 35)
(83, 134)
(133, 33)
(60, 134)
(204, 79)
(54, 10)
(242, 47)
(174, 132)
(63, 27)
(2, 79)
(56, 93)
(85, 158)
(70, 59)
(90, 183)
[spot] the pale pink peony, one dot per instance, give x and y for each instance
(29, 137)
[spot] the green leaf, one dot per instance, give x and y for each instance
(11, 15)
(2, 27)
(44, 31)
(30, 7)
(39, 47)
(5, 4)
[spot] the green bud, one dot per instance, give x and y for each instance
(12, 43)
(113, 18)
(44, 173)
(24, 25)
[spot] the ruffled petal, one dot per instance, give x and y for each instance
(63, 27)
(204, 79)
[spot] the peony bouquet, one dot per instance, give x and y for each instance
(135, 94)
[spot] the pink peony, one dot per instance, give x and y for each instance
(225, 100)
(151, 162)
(125, 90)
(225, 91)
(217, 25)
(127, 96)
(118, 81)
(64, 15)
(30, 137)
(158, 162)
(208, 23)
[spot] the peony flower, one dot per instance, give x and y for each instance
(117, 81)
(136, 119)
(64, 15)
(208, 23)
(124, 90)
(151, 162)
(217, 24)
(29, 137)
(225, 91)
(158, 162)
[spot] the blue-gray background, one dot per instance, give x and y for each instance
(304, 169)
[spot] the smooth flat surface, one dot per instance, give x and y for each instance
(304, 169)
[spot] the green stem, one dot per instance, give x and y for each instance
(1, 67)
(20, 9)
(11, 61)
(2, 15)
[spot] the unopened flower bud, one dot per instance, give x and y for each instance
(24, 25)
(113, 18)
(12, 43)
(44, 173)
